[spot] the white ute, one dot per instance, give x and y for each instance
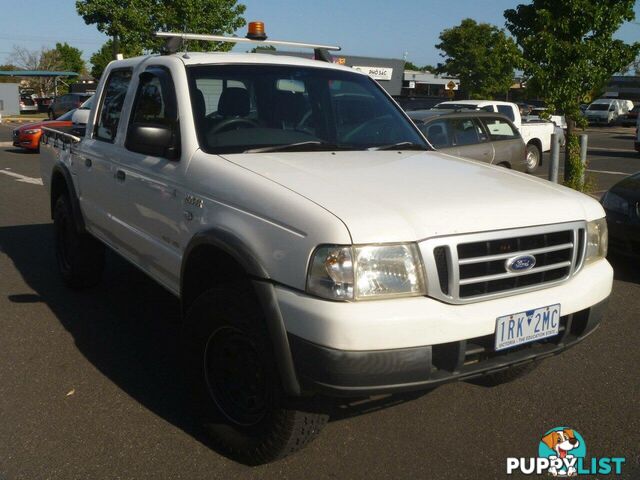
(535, 133)
(318, 244)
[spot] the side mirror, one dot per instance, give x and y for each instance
(154, 140)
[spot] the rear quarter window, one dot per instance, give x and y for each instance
(500, 129)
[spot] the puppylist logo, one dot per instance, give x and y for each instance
(562, 453)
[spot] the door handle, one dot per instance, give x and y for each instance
(87, 162)
(120, 175)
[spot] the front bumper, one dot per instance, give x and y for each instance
(363, 373)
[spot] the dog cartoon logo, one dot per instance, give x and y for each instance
(566, 445)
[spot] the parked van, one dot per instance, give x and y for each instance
(606, 111)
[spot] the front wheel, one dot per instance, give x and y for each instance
(236, 387)
(533, 158)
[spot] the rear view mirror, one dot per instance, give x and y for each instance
(154, 140)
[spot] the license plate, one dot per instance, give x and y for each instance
(525, 327)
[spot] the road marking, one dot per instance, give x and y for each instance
(6, 144)
(22, 178)
(608, 172)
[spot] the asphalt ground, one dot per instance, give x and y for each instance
(90, 384)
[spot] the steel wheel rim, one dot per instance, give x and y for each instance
(235, 376)
(532, 159)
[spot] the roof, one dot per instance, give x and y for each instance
(36, 73)
(477, 103)
(199, 58)
(426, 115)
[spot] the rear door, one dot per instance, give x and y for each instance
(470, 139)
(102, 192)
(508, 146)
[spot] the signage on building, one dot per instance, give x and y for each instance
(377, 73)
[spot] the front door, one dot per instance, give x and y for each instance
(152, 177)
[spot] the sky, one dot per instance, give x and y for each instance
(377, 28)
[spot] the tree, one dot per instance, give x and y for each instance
(134, 22)
(411, 66)
(8, 68)
(70, 58)
(569, 51)
(263, 49)
(102, 57)
(43, 59)
(481, 55)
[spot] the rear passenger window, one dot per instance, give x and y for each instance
(500, 129)
(113, 97)
(466, 131)
(437, 133)
(507, 111)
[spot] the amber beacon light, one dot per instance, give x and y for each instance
(256, 31)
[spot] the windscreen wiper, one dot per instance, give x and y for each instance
(400, 146)
(311, 145)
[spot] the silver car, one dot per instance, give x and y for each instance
(485, 136)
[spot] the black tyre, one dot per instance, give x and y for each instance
(236, 387)
(505, 376)
(80, 257)
(533, 158)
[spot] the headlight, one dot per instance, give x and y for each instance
(366, 272)
(597, 240)
(615, 203)
(31, 132)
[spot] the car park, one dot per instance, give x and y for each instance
(535, 133)
(622, 205)
(65, 103)
(487, 137)
(317, 250)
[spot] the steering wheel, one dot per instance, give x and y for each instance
(365, 128)
(229, 122)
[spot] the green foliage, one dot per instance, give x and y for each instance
(8, 79)
(481, 55)
(134, 22)
(569, 53)
(411, 66)
(69, 58)
(263, 49)
(102, 57)
(568, 47)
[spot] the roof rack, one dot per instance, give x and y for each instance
(255, 35)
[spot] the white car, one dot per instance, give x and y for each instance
(318, 244)
(535, 133)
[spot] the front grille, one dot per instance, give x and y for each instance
(468, 268)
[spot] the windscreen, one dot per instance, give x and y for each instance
(598, 106)
(455, 106)
(245, 107)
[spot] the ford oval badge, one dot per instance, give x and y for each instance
(521, 263)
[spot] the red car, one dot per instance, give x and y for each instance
(28, 136)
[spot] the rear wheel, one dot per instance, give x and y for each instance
(237, 390)
(80, 257)
(533, 157)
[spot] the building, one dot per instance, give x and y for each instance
(388, 72)
(428, 84)
(624, 87)
(9, 99)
